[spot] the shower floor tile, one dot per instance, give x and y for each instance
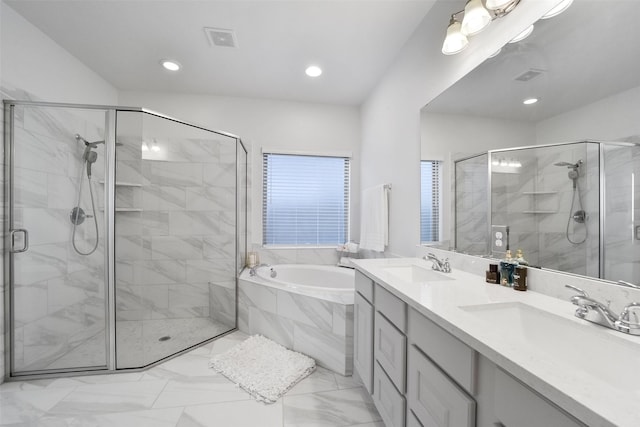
(184, 392)
(142, 342)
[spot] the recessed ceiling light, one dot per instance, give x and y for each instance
(530, 101)
(523, 35)
(170, 65)
(313, 71)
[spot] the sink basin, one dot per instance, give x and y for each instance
(415, 273)
(588, 347)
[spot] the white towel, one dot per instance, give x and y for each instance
(374, 219)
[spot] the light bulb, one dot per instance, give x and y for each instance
(523, 35)
(498, 4)
(455, 41)
(145, 147)
(476, 18)
(558, 9)
(155, 147)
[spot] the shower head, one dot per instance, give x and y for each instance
(87, 143)
(573, 166)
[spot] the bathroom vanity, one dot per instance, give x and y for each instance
(448, 349)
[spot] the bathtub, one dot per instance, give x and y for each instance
(307, 308)
(326, 282)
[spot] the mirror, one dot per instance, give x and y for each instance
(583, 68)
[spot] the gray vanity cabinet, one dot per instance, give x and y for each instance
(363, 330)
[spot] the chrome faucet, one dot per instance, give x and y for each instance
(596, 312)
(438, 265)
(254, 270)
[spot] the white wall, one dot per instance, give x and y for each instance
(610, 119)
(296, 126)
(448, 137)
(34, 63)
(391, 114)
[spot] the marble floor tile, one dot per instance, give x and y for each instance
(234, 414)
(183, 392)
(115, 397)
(328, 409)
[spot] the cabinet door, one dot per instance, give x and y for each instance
(390, 403)
(391, 350)
(363, 340)
(518, 406)
(435, 399)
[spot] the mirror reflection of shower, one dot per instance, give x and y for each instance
(579, 216)
(78, 215)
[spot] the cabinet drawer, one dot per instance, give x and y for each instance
(517, 406)
(390, 403)
(434, 398)
(450, 354)
(364, 285)
(393, 308)
(391, 350)
(363, 340)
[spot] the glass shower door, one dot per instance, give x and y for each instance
(56, 173)
(175, 237)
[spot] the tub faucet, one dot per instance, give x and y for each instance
(254, 270)
(439, 265)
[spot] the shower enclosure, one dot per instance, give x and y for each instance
(569, 206)
(126, 230)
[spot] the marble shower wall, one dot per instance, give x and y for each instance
(535, 202)
(622, 210)
(59, 295)
(175, 222)
(471, 205)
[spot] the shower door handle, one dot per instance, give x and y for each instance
(25, 245)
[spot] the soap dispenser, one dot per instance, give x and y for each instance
(507, 268)
(520, 258)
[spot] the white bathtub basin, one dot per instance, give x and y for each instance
(577, 344)
(416, 273)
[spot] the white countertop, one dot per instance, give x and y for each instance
(608, 395)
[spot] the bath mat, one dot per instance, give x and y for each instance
(264, 369)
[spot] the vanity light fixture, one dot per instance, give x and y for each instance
(313, 71)
(558, 9)
(455, 41)
(530, 101)
(476, 16)
(523, 35)
(170, 65)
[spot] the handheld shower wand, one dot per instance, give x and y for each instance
(579, 216)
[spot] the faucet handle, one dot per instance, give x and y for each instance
(577, 289)
(624, 316)
(628, 284)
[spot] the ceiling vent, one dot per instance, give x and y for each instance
(530, 74)
(221, 37)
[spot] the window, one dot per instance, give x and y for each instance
(305, 200)
(430, 200)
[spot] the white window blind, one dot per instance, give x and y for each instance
(430, 200)
(305, 199)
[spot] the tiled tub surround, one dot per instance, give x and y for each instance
(319, 326)
(584, 395)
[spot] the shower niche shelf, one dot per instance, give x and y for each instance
(539, 193)
(539, 212)
(124, 184)
(125, 209)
